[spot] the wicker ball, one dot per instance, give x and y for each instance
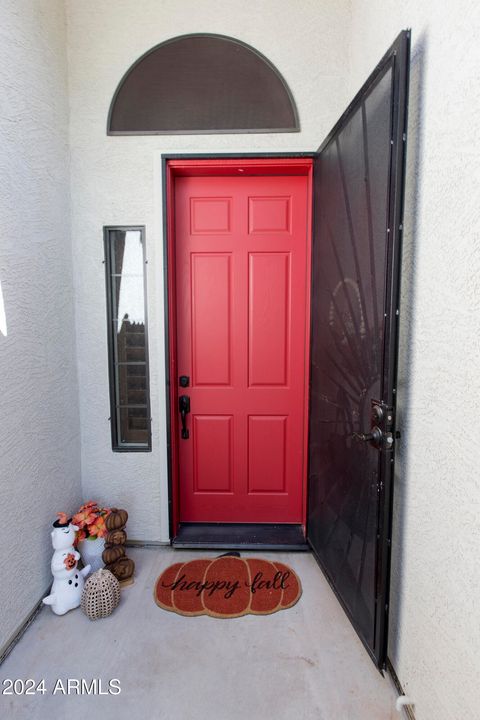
(100, 595)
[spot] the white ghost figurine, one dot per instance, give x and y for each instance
(68, 580)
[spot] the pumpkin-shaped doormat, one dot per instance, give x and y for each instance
(227, 587)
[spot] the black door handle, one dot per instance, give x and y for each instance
(184, 407)
(375, 436)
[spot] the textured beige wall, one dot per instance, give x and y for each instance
(435, 606)
(40, 436)
(116, 180)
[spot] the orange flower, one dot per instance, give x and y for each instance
(97, 527)
(62, 518)
(82, 518)
(79, 536)
(89, 504)
(90, 520)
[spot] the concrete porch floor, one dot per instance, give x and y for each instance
(305, 663)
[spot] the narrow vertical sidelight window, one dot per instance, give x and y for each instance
(127, 338)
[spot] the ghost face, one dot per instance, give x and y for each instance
(63, 537)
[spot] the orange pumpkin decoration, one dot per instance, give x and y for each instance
(227, 587)
(113, 553)
(116, 519)
(70, 561)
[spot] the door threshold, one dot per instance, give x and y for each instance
(240, 536)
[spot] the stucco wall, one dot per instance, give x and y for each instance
(116, 180)
(435, 629)
(40, 437)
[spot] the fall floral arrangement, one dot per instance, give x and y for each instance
(90, 520)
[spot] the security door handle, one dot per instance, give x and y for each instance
(375, 436)
(184, 407)
(382, 433)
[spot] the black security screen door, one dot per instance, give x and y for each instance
(355, 285)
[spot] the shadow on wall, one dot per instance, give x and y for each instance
(403, 472)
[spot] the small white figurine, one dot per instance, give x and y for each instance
(68, 581)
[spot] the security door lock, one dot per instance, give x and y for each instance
(381, 434)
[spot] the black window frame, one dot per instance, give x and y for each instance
(117, 444)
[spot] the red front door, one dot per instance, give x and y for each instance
(242, 287)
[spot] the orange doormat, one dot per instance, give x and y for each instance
(227, 587)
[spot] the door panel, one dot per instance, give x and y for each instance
(355, 283)
(267, 436)
(241, 299)
(268, 318)
(211, 288)
(212, 437)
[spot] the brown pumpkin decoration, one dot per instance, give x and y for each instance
(116, 519)
(113, 553)
(227, 587)
(122, 568)
(116, 537)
